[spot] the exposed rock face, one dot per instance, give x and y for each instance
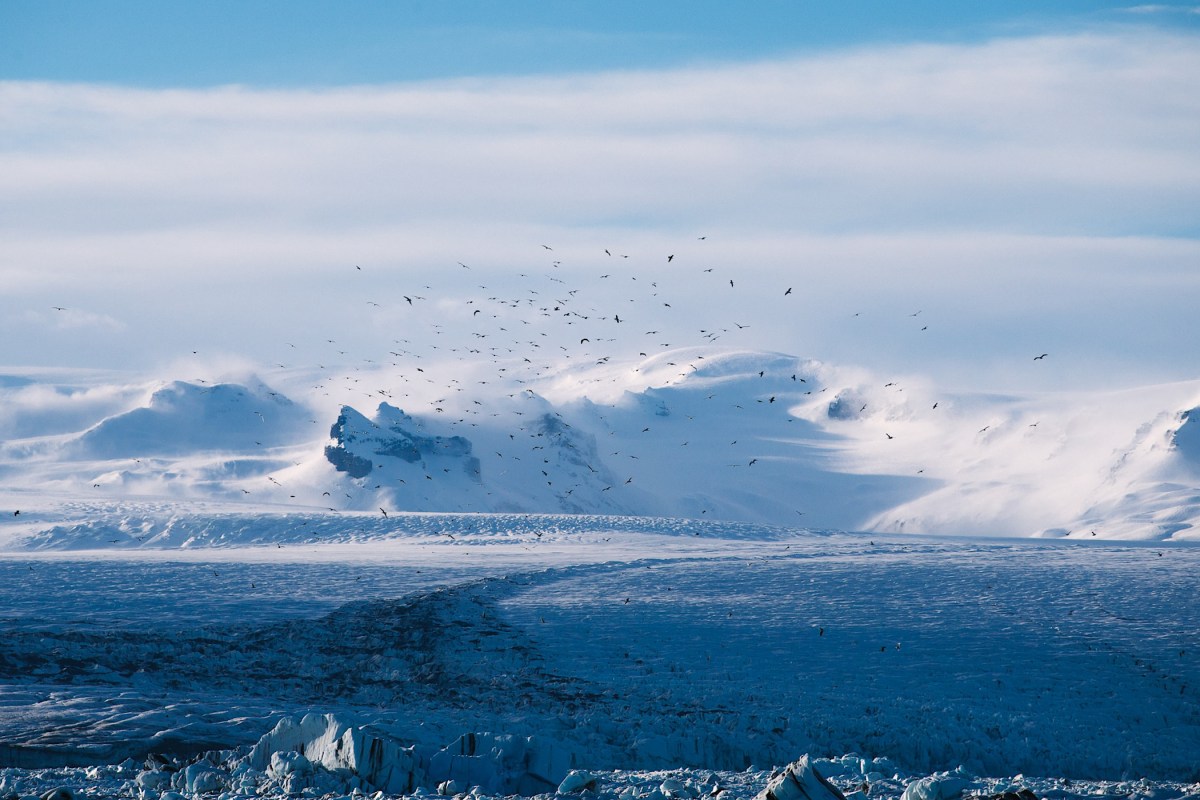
(847, 405)
(359, 441)
(1186, 438)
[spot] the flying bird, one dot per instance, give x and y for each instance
(1039, 358)
(789, 291)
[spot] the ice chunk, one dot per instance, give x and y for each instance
(289, 763)
(800, 781)
(153, 780)
(576, 781)
(942, 786)
(376, 759)
(202, 778)
(449, 788)
(503, 763)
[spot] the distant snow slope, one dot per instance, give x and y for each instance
(696, 432)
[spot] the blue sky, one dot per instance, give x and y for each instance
(181, 177)
(303, 43)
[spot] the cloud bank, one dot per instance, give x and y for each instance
(1032, 191)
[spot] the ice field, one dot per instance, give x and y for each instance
(613, 644)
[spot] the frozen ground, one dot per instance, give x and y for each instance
(601, 643)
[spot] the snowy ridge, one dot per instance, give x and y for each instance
(689, 432)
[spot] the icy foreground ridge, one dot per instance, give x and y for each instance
(357, 764)
(296, 751)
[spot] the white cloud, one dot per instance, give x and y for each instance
(1161, 8)
(1056, 173)
(73, 319)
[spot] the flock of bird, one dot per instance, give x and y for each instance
(475, 353)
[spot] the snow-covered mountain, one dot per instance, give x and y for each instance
(699, 432)
(184, 418)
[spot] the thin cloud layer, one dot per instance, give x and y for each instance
(1019, 156)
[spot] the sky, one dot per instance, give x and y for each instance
(250, 181)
